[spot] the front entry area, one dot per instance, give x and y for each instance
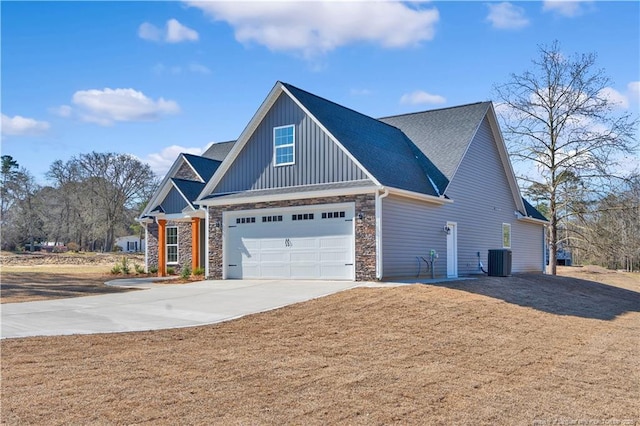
(307, 242)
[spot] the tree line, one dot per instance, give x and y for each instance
(90, 200)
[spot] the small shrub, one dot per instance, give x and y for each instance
(74, 247)
(117, 248)
(117, 269)
(185, 273)
(199, 271)
(126, 269)
(138, 268)
(153, 269)
(171, 270)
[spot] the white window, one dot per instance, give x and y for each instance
(172, 244)
(506, 235)
(284, 145)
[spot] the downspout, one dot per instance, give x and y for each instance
(379, 198)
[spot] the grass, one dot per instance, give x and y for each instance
(520, 350)
(45, 282)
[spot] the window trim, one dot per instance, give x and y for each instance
(506, 226)
(167, 245)
(292, 145)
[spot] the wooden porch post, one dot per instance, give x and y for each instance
(195, 243)
(162, 248)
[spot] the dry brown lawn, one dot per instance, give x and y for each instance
(45, 282)
(520, 350)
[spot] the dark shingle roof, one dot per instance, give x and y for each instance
(382, 149)
(218, 151)
(205, 167)
(533, 212)
(442, 135)
(189, 188)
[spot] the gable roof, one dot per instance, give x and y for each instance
(204, 167)
(189, 189)
(418, 152)
(383, 150)
(218, 151)
(443, 135)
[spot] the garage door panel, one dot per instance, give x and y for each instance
(303, 248)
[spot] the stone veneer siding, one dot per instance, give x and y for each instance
(365, 230)
(186, 172)
(152, 245)
(184, 245)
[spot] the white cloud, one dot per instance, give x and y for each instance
(634, 90)
(506, 16)
(160, 162)
(107, 106)
(174, 32)
(316, 27)
(420, 97)
(568, 8)
(147, 31)
(615, 98)
(22, 126)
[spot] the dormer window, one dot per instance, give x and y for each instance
(284, 139)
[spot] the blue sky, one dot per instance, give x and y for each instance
(157, 78)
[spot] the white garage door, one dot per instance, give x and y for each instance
(303, 242)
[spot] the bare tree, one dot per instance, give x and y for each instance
(558, 116)
(111, 183)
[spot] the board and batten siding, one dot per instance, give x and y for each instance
(482, 202)
(317, 159)
(174, 202)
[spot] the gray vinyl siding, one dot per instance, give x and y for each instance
(482, 202)
(317, 158)
(174, 202)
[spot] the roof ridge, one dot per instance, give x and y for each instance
(339, 105)
(434, 110)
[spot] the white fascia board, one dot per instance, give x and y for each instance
(164, 188)
(194, 213)
(418, 196)
(333, 138)
(189, 204)
(179, 217)
(504, 156)
(290, 196)
(241, 141)
(192, 168)
(533, 220)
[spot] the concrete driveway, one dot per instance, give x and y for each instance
(159, 307)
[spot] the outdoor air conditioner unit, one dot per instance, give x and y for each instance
(499, 263)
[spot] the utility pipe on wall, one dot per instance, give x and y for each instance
(379, 197)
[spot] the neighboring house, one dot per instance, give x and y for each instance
(130, 244)
(312, 189)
